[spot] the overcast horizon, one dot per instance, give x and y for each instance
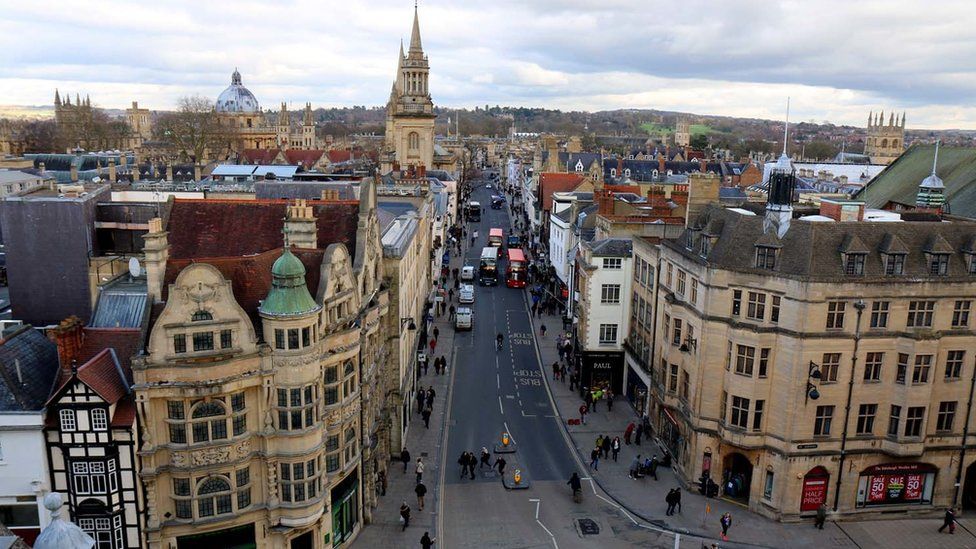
(737, 59)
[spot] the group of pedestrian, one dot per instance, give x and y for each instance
(673, 499)
(425, 403)
(558, 372)
(640, 469)
(468, 461)
(635, 430)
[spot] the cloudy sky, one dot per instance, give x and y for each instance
(837, 59)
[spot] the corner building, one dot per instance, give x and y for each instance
(257, 392)
(832, 364)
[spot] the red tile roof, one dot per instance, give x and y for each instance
(306, 158)
(556, 183)
(250, 276)
(635, 189)
(259, 156)
(127, 342)
(104, 375)
(209, 228)
(125, 413)
(340, 156)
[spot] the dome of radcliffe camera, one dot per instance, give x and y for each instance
(237, 98)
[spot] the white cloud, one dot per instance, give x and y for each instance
(838, 59)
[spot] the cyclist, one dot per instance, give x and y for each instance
(498, 341)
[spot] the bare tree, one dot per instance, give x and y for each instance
(193, 130)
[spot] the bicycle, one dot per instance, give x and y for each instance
(498, 342)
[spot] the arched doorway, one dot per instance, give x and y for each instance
(969, 488)
(815, 485)
(737, 476)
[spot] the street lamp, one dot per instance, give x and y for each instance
(411, 325)
(811, 392)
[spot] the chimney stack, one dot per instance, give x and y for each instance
(169, 173)
(68, 336)
(300, 225)
(112, 175)
(156, 252)
(74, 172)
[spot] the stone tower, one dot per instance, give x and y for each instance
(682, 132)
(885, 140)
(283, 127)
(308, 128)
(410, 111)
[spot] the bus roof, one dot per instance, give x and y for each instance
(515, 254)
(495, 232)
(474, 203)
(489, 252)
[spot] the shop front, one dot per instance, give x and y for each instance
(345, 509)
(670, 433)
(602, 370)
(636, 389)
(238, 537)
(896, 484)
(815, 485)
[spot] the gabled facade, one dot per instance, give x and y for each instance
(92, 442)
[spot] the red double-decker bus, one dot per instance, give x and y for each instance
(496, 237)
(515, 273)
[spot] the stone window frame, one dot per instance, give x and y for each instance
(190, 500)
(181, 424)
(295, 484)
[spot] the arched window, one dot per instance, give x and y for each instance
(894, 143)
(204, 428)
(884, 143)
(213, 497)
(201, 316)
(414, 141)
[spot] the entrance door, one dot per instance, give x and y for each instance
(969, 488)
(737, 476)
(815, 484)
(304, 541)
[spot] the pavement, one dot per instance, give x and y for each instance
(644, 497)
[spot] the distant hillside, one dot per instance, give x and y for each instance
(22, 112)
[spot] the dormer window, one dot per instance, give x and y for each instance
(854, 264)
(613, 172)
(972, 263)
(201, 316)
(704, 246)
(938, 264)
(766, 257)
(627, 172)
(894, 264)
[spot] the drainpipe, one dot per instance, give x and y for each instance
(965, 437)
(859, 305)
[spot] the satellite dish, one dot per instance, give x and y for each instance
(134, 268)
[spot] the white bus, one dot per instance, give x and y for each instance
(488, 270)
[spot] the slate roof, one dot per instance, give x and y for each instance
(309, 190)
(813, 250)
(201, 229)
(611, 247)
(643, 170)
(900, 180)
(122, 303)
(38, 360)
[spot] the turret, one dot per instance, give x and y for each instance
(289, 312)
(779, 202)
(931, 191)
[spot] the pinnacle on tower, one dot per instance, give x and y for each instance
(57, 97)
(415, 45)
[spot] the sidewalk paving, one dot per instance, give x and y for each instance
(385, 529)
(645, 497)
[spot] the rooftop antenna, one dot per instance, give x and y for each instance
(786, 127)
(134, 268)
(935, 160)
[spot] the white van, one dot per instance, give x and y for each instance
(464, 319)
(466, 295)
(467, 272)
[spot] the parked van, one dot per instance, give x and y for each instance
(466, 295)
(467, 272)
(464, 319)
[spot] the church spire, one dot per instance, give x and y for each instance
(415, 45)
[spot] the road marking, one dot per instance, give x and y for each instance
(677, 541)
(500, 409)
(498, 381)
(528, 415)
(552, 537)
(509, 431)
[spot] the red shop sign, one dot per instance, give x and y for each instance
(814, 493)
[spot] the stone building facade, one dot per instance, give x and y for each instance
(258, 400)
(885, 141)
(832, 364)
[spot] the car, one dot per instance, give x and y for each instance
(467, 272)
(466, 294)
(463, 319)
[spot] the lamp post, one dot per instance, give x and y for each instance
(811, 392)
(859, 306)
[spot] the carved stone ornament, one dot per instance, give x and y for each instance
(210, 456)
(178, 459)
(200, 293)
(334, 418)
(243, 448)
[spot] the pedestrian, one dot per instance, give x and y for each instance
(500, 464)
(485, 459)
(463, 462)
(433, 344)
(421, 491)
(453, 313)
(472, 461)
(555, 371)
(635, 464)
(427, 542)
(726, 522)
(949, 520)
(405, 458)
(437, 332)
(638, 433)
(573, 381)
(419, 469)
(404, 515)
(599, 442)
(582, 412)
(822, 516)
(430, 396)
(535, 306)
(653, 467)
(426, 416)
(677, 499)
(669, 499)
(615, 447)
(628, 432)
(421, 396)
(606, 447)
(562, 373)
(609, 396)
(424, 364)
(595, 458)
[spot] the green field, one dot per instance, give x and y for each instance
(653, 128)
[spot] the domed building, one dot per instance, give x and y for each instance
(248, 127)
